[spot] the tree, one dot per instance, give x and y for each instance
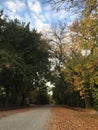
(87, 6)
(59, 45)
(86, 65)
(80, 68)
(24, 58)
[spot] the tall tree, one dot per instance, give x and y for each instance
(24, 57)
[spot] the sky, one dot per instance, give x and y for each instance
(40, 15)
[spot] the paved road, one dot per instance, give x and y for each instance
(31, 120)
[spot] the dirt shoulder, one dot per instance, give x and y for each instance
(4, 113)
(65, 118)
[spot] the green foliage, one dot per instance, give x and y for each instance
(58, 95)
(24, 63)
(95, 98)
(42, 97)
(67, 96)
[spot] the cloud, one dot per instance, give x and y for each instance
(34, 6)
(37, 15)
(38, 21)
(40, 16)
(15, 6)
(13, 9)
(41, 26)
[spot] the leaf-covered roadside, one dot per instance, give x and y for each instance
(74, 119)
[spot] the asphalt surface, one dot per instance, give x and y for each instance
(37, 119)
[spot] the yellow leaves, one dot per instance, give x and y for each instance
(94, 78)
(91, 7)
(78, 83)
(75, 26)
(83, 66)
(85, 32)
(7, 65)
(82, 94)
(77, 69)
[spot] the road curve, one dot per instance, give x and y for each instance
(36, 119)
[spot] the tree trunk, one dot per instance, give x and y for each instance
(23, 100)
(87, 102)
(7, 96)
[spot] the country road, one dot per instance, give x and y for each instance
(37, 119)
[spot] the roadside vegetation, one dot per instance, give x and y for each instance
(75, 51)
(68, 58)
(24, 64)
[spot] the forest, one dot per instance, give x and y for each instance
(67, 57)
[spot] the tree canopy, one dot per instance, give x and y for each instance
(24, 61)
(68, 57)
(76, 51)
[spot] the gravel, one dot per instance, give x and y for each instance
(37, 119)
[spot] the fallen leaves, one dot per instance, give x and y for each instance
(73, 119)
